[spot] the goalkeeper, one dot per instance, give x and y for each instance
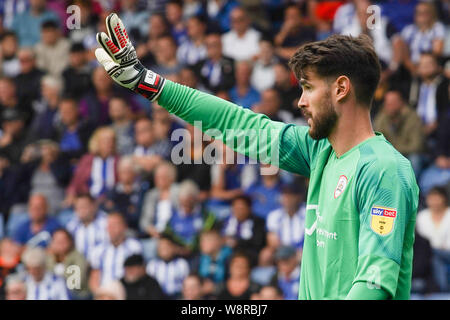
(362, 198)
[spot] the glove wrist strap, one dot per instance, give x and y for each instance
(150, 85)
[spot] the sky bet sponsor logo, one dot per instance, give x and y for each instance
(385, 212)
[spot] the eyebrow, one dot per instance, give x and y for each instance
(304, 82)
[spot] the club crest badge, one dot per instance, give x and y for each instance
(342, 183)
(382, 219)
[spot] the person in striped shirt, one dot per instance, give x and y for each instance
(40, 284)
(107, 259)
(88, 226)
(168, 269)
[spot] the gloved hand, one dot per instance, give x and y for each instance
(119, 59)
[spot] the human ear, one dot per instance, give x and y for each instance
(342, 88)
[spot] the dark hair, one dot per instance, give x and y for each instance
(440, 191)
(49, 24)
(8, 33)
(68, 235)
(85, 195)
(341, 55)
(244, 198)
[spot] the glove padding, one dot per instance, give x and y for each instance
(118, 57)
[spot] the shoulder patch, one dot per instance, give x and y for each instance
(382, 219)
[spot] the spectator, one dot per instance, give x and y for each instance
(263, 272)
(188, 219)
(16, 288)
(122, 124)
(10, 66)
(28, 81)
(402, 127)
(241, 42)
(423, 280)
(216, 71)
(263, 74)
(77, 75)
(62, 257)
(97, 171)
(220, 12)
(127, 195)
(293, 32)
(269, 292)
(156, 210)
(433, 224)
(192, 288)
(139, 285)
(174, 14)
(149, 152)
(213, 259)
(9, 263)
(170, 282)
(52, 53)
(72, 133)
(265, 193)
(107, 260)
(244, 231)
(9, 98)
(287, 91)
(270, 105)
(135, 19)
(27, 25)
(429, 94)
(166, 62)
(38, 228)
(94, 104)
(193, 49)
(158, 26)
(41, 284)
(243, 94)
(288, 274)
(14, 136)
(88, 24)
(113, 290)
(426, 34)
(238, 285)
(285, 226)
(88, 225)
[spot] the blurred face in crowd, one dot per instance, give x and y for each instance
(290, 201)
(270, 102)
(266, 51)
(157, 26)
(174, 13)
(16, 291)
(49, 36)
(317, 106)
(282, 75)
(13, 127)
(61, 244)
(188, 203)
(239, 20)
(85, 209)
(214, 46)
(164, 177)
(166, 249)
(77, 59)
(106, 143)
(269, 293)
(192, 288)
(9, 46)
(436, 202)
(188, 78)
(286, 266)
(116, 228)
(428, 67)
(37, 207)
(36, 270)
(26, 60)
(7, 90)
(393, 103)
(240, 209)
(243, 73)
(292, 17)
(49, 152)
(210, 243)
(49, 90)
(134, 273)
(239, 267)
(167, 50)
(9, 249)
(143, 131)
(118, 109)
(195, 28)
(126, 173)
(68, 111)
(128, 4)
(37, 5)
(424, 15)
(101, 80)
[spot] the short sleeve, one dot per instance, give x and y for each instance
(385, 207)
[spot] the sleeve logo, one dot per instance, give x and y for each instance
(382, 219)
(342, 183)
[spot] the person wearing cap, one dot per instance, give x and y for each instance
(13, 133)
(285, 226)
(288, 272)
(139, 285)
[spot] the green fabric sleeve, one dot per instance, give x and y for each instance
(361, 291)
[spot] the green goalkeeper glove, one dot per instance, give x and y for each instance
(119, 59)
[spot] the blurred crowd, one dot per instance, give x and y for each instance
(93, 201)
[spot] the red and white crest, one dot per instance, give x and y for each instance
(342, 183)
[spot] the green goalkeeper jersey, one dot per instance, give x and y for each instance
(361, 206)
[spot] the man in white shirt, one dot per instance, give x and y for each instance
(242, 41)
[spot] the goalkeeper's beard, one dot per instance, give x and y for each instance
(325, 121)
